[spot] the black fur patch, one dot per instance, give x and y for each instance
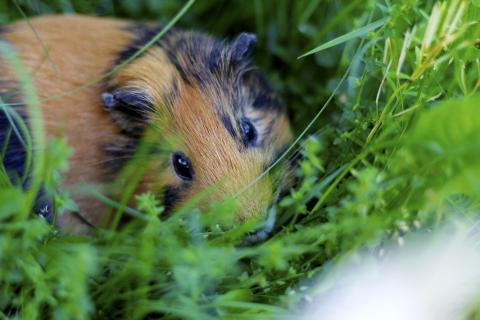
(264, 97)
(125, 148)
(222, 68)
(171, 196)
(183, 74)
(129, 109)
(44, 206)
(195, 56)
(12, 142)
(227, 123)
(133, 103)
(144, 33)
(243, 46)
(260, 101)
(119, 153)
(214, 59)
(13, 149)
(205, 60)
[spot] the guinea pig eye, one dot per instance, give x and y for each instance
(182, 166)
(249, 132)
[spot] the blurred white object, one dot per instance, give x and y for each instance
(431, 278)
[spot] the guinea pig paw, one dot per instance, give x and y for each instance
(44, 208)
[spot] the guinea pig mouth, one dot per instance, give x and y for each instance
(265, 230)
(268, 226)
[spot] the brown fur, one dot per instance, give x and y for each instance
(187, 101)
(80, 53)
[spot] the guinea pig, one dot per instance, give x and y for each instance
(221, 120)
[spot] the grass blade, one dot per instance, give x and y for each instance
(346, 37)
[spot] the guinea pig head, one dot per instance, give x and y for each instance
(219, 123)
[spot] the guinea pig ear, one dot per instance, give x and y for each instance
(129, 109)
(243, 46)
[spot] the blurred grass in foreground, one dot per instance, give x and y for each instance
(396, 149)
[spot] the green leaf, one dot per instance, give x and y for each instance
(346, 37)
(445, 144)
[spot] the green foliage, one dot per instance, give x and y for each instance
(395, 149)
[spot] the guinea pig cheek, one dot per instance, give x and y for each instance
(253, 196)
(256, 199)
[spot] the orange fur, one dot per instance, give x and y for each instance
(82, 49)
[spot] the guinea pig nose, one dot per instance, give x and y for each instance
(44, 206)
(265, 230)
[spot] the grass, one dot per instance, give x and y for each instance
(392, 88)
